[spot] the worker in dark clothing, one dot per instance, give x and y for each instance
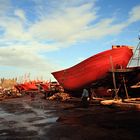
(85, 98)
(122, 92)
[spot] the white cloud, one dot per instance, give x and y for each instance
(20, 13)
(74, 24)
(5, 5)
(25, 56)
(22, 43)
(61, 27)
(14, 29)
(134, 14)
(27, 59)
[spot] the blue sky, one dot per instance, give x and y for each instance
(38, 37)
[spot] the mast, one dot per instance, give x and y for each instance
(135, 59)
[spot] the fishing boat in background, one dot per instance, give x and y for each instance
(93, 68)
(27, 86)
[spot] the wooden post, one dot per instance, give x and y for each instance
(125, 88)
(113, 76)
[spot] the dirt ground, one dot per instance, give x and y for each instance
(39, 119)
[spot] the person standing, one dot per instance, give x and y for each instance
(85, 98)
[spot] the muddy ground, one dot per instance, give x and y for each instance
(39, 119)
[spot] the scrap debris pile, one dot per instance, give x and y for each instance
(60, 97)
(7, 89)
(6, 93)
(50, 90)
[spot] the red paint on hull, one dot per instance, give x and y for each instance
(93, 68)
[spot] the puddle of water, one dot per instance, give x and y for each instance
(52, 119)
(47, 120)
(40, 116)
(3, 134)
(4, 114)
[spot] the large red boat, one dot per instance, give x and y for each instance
(93, 68)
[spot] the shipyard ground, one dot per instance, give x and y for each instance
(39, 119)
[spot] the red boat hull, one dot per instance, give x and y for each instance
(27, 86)
(93, 68)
